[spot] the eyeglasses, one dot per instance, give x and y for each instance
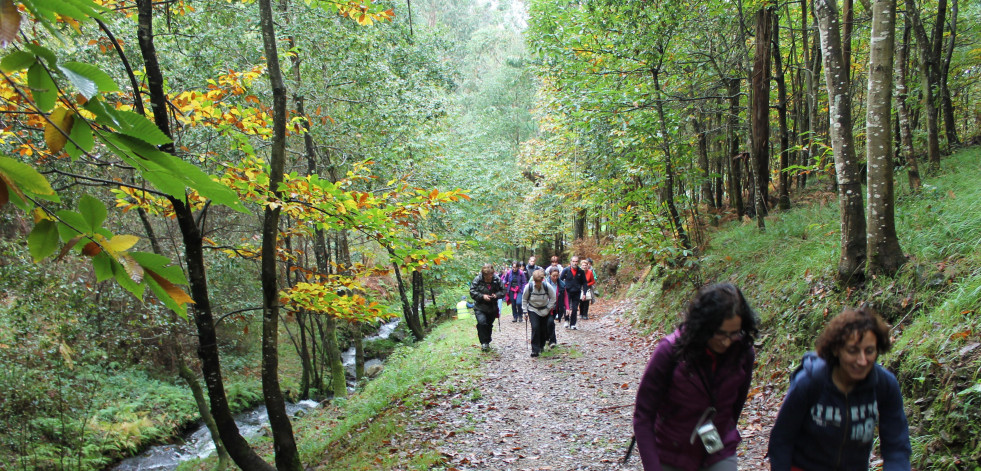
(732, 336)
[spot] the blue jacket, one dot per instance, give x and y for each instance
(820, 428)
(671, 398)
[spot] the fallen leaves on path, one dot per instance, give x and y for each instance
(569, 409)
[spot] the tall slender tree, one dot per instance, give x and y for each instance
(884, 254)
(851, 262)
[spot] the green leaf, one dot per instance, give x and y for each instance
(82, 136)
(103, 114)
(43, 240)
(136, 125)
(190, 175)
(71, 224)
(162, 266)
(93, 212)
(102, 265)
(82, 74)
(43, 89)
(86, 87)
(42, 52)
(26, 178)
(16, 60)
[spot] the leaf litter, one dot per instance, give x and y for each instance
(569, 409)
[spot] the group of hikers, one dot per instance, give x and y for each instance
(545, 297)
(697, 381)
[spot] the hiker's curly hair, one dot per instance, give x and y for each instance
(843, 328)
(704, 314)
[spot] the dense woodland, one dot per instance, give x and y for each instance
(203, 203)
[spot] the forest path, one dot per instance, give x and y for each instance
(569, 409)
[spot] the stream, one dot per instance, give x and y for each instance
(198, 444)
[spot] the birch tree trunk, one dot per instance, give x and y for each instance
(884, 254)
(850, 204)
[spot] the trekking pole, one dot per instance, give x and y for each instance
(630, 448)
(526, 327)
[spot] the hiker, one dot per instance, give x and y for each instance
(485, 290)
(588, 295)
(561, 302)
(837, 397)
(538, 300)
(695, 385)
(515, 281)
(531, 266)
(574, 279)
(555, 266)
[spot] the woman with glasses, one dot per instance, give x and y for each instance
(695, 385)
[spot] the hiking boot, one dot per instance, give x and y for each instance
(485, 347)
(534, 354)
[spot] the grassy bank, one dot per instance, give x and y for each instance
(933, 302)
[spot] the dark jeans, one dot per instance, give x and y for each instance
(584, 309)
(551, 328)
(573, 307)
(485, 324)
(540, 328)
(516, 311)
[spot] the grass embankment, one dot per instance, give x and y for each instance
(933, 302)
(369, 429)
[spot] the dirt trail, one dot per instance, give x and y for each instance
(569, 409)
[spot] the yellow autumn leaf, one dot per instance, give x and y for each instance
(172, 290)
(120, 243)
(57, 128)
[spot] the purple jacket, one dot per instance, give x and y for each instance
(671, 398)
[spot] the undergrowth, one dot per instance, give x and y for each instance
(787, 273)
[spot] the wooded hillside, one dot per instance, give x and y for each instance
(202, 204)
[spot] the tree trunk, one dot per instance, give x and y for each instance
(735, 175)
(703, 162)
(928, 65)
(848, 12)
(191, 234)
(852, 211)
(884, 254)
(902, 110)
(950, 126)
(760, 93)
(579, 225)
(782, 114)
(410, 320)
(183, 370)
(814, 67)
(287, 456)
(669, 171)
